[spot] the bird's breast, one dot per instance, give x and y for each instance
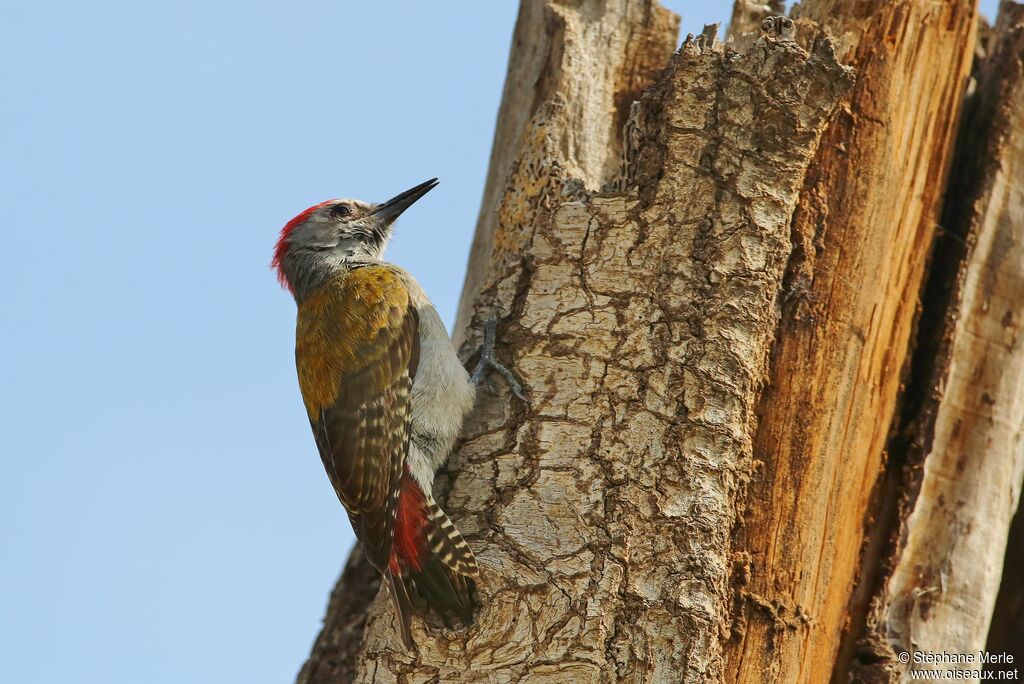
(442, 394)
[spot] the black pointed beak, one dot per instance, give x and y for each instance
(390, 210)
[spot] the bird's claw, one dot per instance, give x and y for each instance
(488, 360)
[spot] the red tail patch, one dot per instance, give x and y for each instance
(443, 579)
(410, 528)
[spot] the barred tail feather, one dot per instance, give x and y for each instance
(429, 556)
(403, 606)
(446, 576)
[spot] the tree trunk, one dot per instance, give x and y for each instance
(764, 441)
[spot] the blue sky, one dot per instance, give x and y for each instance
(164, 516)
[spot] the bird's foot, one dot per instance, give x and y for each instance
(488, 360)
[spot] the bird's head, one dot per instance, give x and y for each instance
(328, 235)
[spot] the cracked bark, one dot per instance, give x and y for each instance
(726, 456)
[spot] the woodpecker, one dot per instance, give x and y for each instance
(385, 394)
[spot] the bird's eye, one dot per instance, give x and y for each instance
(341, 211)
